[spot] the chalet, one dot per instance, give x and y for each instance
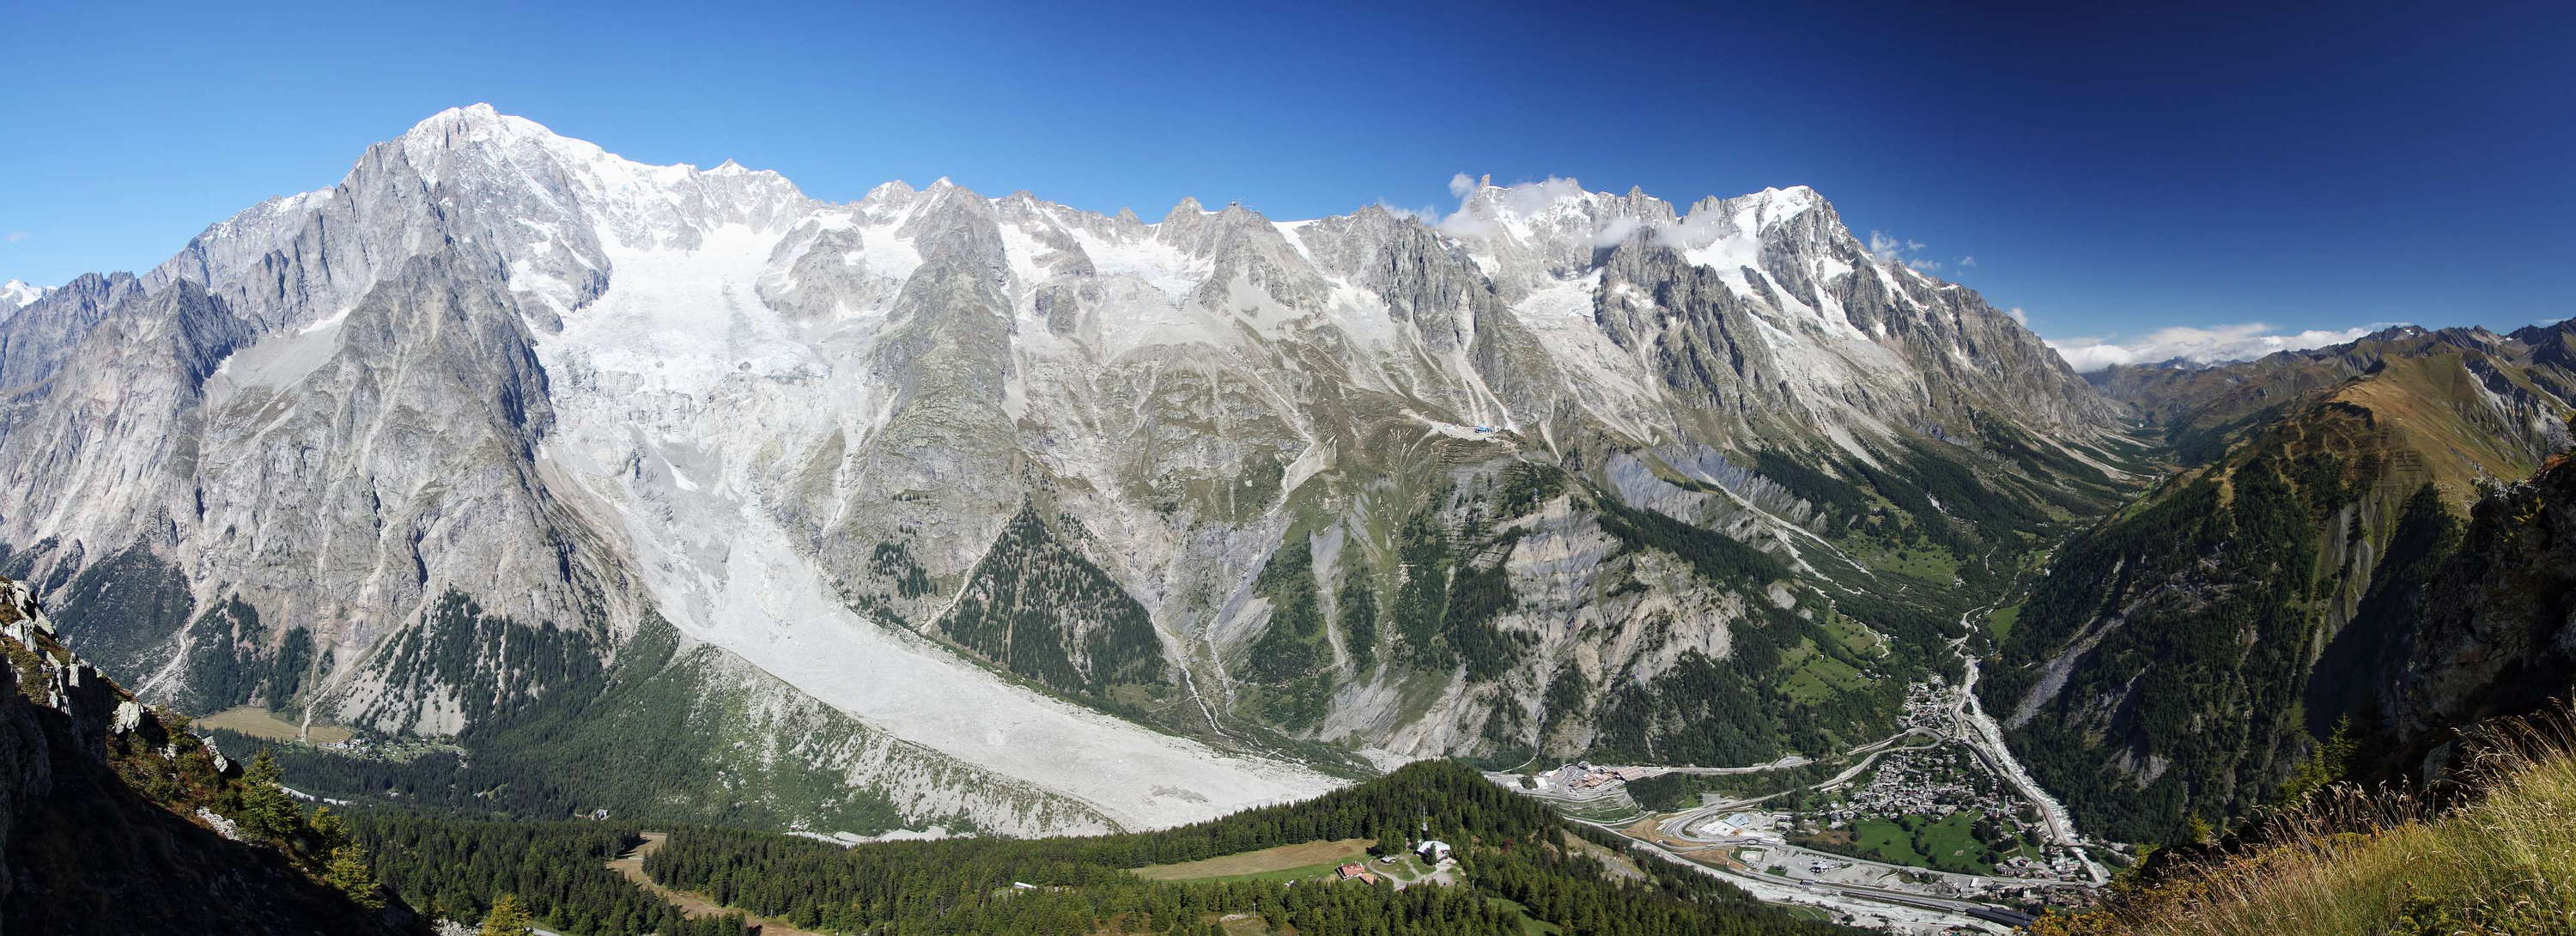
(1434, 851)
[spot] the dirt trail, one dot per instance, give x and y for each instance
(631, 865)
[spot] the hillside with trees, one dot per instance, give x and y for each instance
(1521, 869)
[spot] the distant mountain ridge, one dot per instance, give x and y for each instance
(504, 432)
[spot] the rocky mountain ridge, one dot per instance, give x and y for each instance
(502, 370)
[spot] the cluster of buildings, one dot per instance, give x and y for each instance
(1431, 851)
(1943, 778)
(2058, 866)
(1927, 706)
(1932, 781)
(1761, 825)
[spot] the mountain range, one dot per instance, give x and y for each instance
(565, 482)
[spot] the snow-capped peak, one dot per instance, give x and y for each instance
(475, 123)
(1527, 200)
(15, 294)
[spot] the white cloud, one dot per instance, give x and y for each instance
(2019, 316)
(2203, 345)
(1480, 206)
(1892, 250)
(1426, 214)
(1968, 261)
(17, 237)
(1613, 231)
(1696, 229)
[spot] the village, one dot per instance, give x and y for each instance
(1930, 800)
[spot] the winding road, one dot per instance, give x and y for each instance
(695, 906)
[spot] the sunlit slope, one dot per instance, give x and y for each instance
(2359, 862)
(2179, 659)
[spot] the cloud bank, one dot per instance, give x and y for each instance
(2201, 345)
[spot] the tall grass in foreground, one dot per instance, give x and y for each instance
(2352, 861)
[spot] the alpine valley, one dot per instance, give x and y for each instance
(512, 479)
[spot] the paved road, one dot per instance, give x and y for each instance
(1888, 906)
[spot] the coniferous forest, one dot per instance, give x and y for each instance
(461, 868)
(1517, 863)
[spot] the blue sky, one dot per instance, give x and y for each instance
(2192, 169)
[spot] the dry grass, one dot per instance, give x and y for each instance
(2414, 399)
(261, 723)
(1296, 857)
(2362, 862)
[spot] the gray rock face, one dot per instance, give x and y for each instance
(496, 362)
(2496, 638)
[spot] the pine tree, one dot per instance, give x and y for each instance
(267, 813)
(349, 873)
(329, 829)
(507, 918)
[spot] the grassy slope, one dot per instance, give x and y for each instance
(2505, 863)
(1321, 857)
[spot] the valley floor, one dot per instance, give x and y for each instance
(1747, 825)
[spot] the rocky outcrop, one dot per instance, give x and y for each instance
(2498, 631)
(104, 825)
